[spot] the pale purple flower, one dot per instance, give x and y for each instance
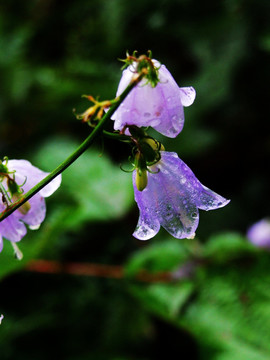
(13, 227)
(160, 107)
(259, 233)
(171, 199)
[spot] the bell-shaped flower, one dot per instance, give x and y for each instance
(32, 212)
(160, 107)
(171, 199)
(259, 234)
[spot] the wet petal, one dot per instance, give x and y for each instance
(49, 189)
(172, 198)
(210, 200)
(12, 228)
(160, 107)
(26, 171)
(148, 225)
(187, 95)
(146, 228)
(189, 185)
(26, 175)
(37, 212)
(177, 212)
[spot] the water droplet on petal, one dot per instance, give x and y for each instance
(183, 180)
(155, 123)
(146, 114)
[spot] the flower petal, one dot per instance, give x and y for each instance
(12, 228)
(178, 213)
(49, 189)
(187, 95)
(259, 233)
(172, 198)
(146, 228)
(190, 186)
(160, 107)
(26, 171)
(1, 243)
(210, 200)
(37, 212)
(148, 225)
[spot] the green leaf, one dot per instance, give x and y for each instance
(167, 255)
(225, 304)
(92, 186)
(227, 246)
(165, 300)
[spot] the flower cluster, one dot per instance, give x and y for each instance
(166, 190)
(18, 177)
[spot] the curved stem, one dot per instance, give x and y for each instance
(78, 152)
(116, 136)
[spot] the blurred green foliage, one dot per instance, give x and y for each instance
(52, 52)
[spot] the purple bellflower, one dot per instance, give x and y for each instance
(160, 107)
(171, 199)
(22, 175)
(259, 234)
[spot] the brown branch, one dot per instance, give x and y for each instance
(96, 270)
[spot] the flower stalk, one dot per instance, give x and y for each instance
(78, 152)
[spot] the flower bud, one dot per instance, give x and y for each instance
(141, 179)
(141, 171)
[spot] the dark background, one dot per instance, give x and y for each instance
(52, 52)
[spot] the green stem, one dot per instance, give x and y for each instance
(74, 156)
(116, 136)
(5, 194)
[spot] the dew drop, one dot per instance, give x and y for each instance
(183, 180)
(146, 114)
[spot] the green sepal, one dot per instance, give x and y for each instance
(149, 153)
(3, 168)
(13, 187)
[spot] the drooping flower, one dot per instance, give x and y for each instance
(171, 199)
(160, 107)
(22, 175)
(259, 233)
